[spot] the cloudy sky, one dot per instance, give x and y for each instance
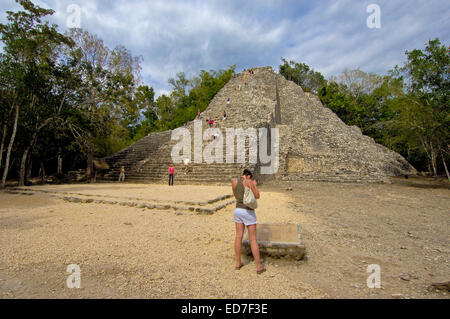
(328, 35)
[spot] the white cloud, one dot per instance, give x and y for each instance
(188, 36)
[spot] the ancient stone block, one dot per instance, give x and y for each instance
(277, 240)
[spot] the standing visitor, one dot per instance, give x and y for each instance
(245, 217)
(171, 175)
(122, 174)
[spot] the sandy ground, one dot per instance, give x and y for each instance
(126, 252)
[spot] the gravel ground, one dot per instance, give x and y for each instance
(126, 252)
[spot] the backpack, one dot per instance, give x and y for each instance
(249, 198)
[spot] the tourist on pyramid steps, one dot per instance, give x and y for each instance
(228, 101)
(122, 174)
(199, 114)
(245, 216)
(171, 175)
(211, 123)
(224, 117)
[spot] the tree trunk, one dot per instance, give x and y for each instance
(30, 168)
(22, 166)
(90, 166)
(59, 170)
(27, 150)
(434, 162)
(2, 147)
(8, 152)
(42, 172)
(445, 166)
(23, 162)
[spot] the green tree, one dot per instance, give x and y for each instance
(29, 46)
(422, 108)
(170, 112)
(179, 86)
(302, 75)
(359, 82)
(144, 98)
(165, 111)
(106, 110)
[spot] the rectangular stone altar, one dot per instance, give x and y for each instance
(277, 240)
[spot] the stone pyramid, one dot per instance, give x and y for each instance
(313, 144)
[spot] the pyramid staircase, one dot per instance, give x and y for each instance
(148, 160)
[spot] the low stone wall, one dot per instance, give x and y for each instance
(277, 240)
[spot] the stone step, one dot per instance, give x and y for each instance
(182, 176)
(165, 166)
(206, 176)
(333, 179)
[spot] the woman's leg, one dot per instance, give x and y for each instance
(254, 245)
(238, 243)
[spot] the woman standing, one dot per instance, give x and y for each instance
(245, 217)
(171, 174)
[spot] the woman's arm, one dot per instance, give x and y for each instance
(233, 186)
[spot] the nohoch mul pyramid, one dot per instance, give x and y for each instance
(291, 135)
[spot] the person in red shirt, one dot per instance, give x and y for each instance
(171, 174)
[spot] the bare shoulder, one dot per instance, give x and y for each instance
(234, 183)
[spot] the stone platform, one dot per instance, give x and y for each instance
(277, 240)
(202, 200)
